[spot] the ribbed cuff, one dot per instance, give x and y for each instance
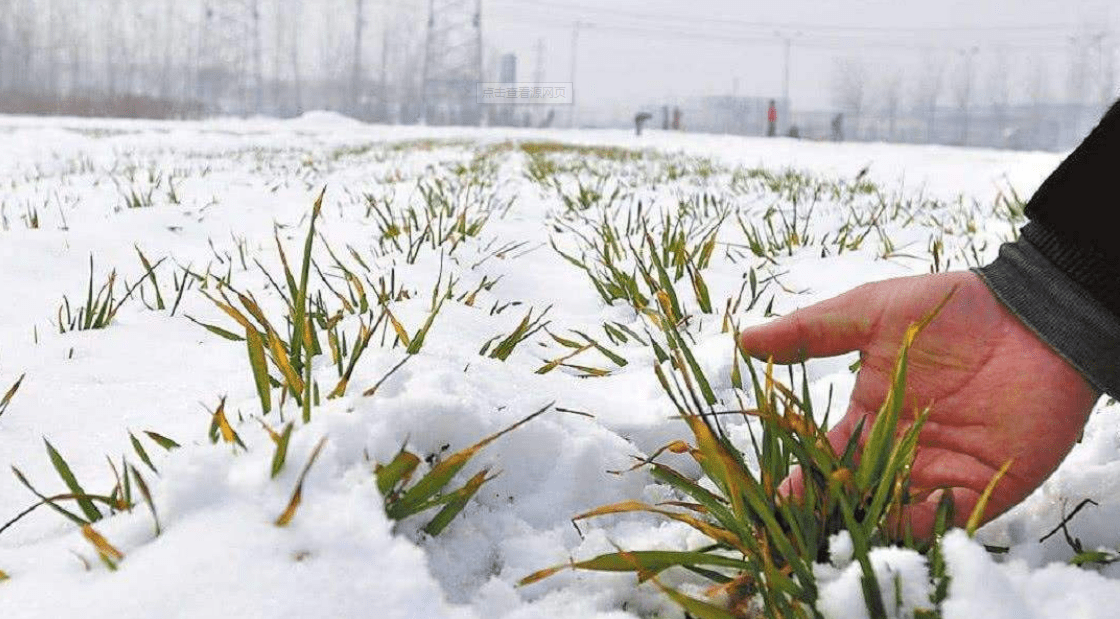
(1071, 321)
(1080, 261)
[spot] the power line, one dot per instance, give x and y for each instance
(819, 41)
(585, 9)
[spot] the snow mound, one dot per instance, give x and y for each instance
(323, 119)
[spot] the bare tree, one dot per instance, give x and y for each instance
(928, 92)
(962, 90)
(1077, 78)
(891, 88)
(1107, 73)
(356, 75)
(998, 85)
(849, 80)
(1078, 81)
(294, 46)
(258, 59)
(1040, 94)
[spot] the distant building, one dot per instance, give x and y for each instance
(508, 71)
(504, 114)
(1018, 126)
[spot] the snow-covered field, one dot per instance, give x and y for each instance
(207, 198)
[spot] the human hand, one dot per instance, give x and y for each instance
(997, 391)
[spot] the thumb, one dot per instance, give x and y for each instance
(829, 328)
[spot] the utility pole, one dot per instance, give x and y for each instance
(966, 101)
(483, 115)
(787, 46)
(297, 87)
(538, 71)
(384, 82)
(258, 60)
(576, 25)
(425, 101)
(1105, 69)
(452, 62)
(785, 76)
(356, 74)
(278, 62)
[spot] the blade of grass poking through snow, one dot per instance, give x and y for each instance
(641, 561)
(977, 515)
(422, 332)
(694, 607)
(117, 488)
(425, 493)
(299, 295)
(402, 333)
(365, 334)
(397, 473)
(526, 328)
(111, 501)
(140, 451)
(606, 352)
(254, 344)
(281, 453)
(91, 512)
(678, 345)
(11, 393)
(162, 440)
(108, 553)
(713, 531)
(700, 289)
(297, 495)
(218, 331)
(219, 426)
(44, 500)
(309, 388)
(373, 390)
(260, 368)
(455, 502)
(155, 282)
(292, 380)
(126, 490)
(552, 365)
(147, 496)
(663, 280)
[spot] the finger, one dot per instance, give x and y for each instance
(921, 517)
(936, 467)
(829, 328)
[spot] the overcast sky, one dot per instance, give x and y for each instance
(647, 50)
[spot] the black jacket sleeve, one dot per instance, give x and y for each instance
(1062, 276)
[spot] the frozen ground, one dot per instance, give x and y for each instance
(211, 196)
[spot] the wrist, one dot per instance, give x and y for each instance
(1059, 310)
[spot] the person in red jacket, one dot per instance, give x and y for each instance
(772, 120)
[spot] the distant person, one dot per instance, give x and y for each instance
(838, 128)
(640, 119)
(794, 132)
(772, 120)
(547, 122)
(664, 117)
(676, 118)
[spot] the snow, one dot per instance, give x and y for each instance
(219, 552)
(903, 578)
